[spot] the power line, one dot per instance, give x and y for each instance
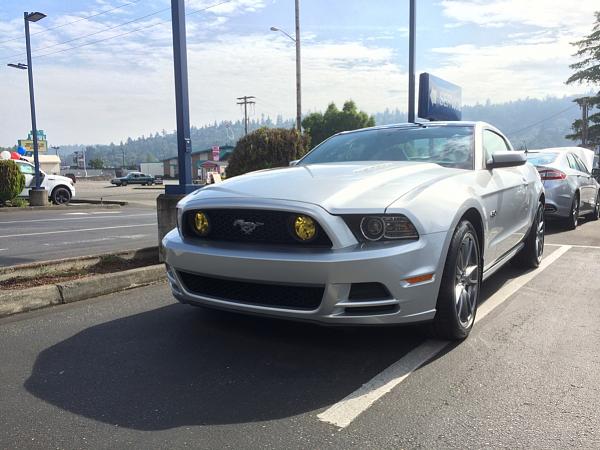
(94, 33)
(133, 2)
(541, 121)
(131, 31)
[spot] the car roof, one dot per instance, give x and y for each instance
(457, 123)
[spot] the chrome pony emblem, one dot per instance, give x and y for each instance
(247, 227)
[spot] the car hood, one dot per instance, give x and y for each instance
(60, 178)
(338, 188)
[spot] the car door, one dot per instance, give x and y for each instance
(29, 172)
(507, 200)
(580, 181)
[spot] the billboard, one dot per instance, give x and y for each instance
(439, 99)
(216, 152)
(27, 144)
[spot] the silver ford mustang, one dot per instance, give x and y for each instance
(385, 225)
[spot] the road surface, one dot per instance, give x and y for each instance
(137, 370)
(45, 235)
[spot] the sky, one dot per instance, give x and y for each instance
(103, 69)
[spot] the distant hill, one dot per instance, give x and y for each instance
(530, 123)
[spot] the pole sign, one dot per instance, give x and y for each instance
(439, 99)
(216, 152)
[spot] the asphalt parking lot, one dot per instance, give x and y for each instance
(135, 195)
(138, 370)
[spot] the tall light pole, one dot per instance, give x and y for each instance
(32, 17)
(411, 61)
(298, 66)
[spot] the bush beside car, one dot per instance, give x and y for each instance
(12, 181)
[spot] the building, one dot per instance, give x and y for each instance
(203, 161)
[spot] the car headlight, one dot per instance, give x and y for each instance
(387, 227)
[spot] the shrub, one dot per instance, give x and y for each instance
(12, 181)
(266, 148)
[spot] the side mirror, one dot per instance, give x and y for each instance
(294, 162)
(506, 159)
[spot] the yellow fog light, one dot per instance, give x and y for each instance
(201, 223)
(305, 228)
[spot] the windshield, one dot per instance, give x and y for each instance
(449, 146)
(541, 159)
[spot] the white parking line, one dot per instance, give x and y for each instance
(346, 410)
(75, 231)
(574, 246)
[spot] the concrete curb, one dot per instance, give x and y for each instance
(13, 301)
(105, 205)
(83, 201)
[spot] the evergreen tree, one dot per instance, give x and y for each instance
(587, 70)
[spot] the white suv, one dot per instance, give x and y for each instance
(60, 189)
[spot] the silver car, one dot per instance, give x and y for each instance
(386, 225)
(571, 190)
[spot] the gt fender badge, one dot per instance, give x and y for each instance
(247, 227)
(493, 213)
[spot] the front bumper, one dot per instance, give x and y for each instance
(336, 270)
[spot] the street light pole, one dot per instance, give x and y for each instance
(298, 72)
(411, 61)
(298, 65)
(32, 17)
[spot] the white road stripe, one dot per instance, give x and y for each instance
(346, 410)
(89, 241)
(77, 218)
(75, 231)
(575, 246)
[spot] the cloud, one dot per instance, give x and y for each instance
(539, 13)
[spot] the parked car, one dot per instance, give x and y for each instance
(385, 225)
(133, 178)
(571, 190)
(60, 189)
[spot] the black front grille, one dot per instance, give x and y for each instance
(262, 294)
(271, 227)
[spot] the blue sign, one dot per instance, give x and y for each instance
(439, 99)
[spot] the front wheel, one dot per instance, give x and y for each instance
(460, 286)
(61, 196)
(124, 183)
(530, 256)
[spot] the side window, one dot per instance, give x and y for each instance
(572, 163)
(581, 164)
(26, 169)
(493, 143)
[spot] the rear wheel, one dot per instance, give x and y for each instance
(596, 214)
(60, 195)
(124, 183)
(573, 219)
(459, 289)
(530, 256)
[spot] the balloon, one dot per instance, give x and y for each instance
(15, 155)
(21, 151)
(5, 155)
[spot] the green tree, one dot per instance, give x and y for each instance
(266, 148)
(321, 126)
(97, 163)
(587, 70)
(12, 181)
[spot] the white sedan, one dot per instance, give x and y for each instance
(60, 189)
(385, 225)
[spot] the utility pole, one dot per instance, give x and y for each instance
(298, 72)
(246, 100)
(411, 61)
(584, 121)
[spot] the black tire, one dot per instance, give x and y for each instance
(530, 256)
(596, 214)
(573, 219)
(60, 195)
(124, 183)
(448, 322)
(143, 184)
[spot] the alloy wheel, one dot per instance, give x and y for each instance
(575, 213)
(61, 196)
(466, 286)
(540, 232)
